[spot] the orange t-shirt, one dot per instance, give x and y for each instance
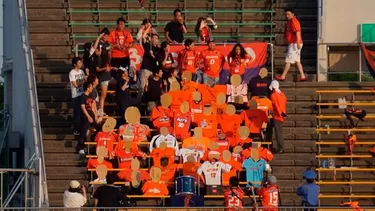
(204, 34)
(254, 119)
(264, 103)
(178, 97)
(120, 38)
(201, 144)
(213, 62)
(181, 124)
(270, 197)
(167, 173)
(279, 106)
(93, 163)
(233, 199)
(208, 123)
(219, 109)
(189, 60)
(196, 108)
(264, 153)
(125, 157)
(161, 117)
(229, 124)
(190, 169)
(236, 166)
(292, 27)
(237, 141)
(158, 153)
(152, 188)
(189, 86)
(139, 131)
(127, 175)
(106, 139)
(237, 65)
(223, 144)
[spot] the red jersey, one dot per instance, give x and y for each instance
(106, 139)
(229, 124)
(213, 62)
(181, 124)
(270, 197)
(120, 38)
(151, 188)
(204, 34)
(125, 157)
(233, 199)
(158, 153)
(196, 108)
(237, 64)
(291, 28)
(139, 131)
(208, 123)
(127, 175)
(161, 117)
(189, 60)
(237, 141)
(93, 163)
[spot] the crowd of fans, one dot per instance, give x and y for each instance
(226, 118)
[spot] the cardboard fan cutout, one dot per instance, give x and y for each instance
(109, 125)
(155, 187)
(166, 100)
(236, 166)
(242, 138)
(220, 104)
(178, 95)
(208, 122)
(107, 137)
(196, 105)
(140, 131)
(101, 171)
(263, 72)
(197, 141)
(161, 116)
(237, 91)
(136, 174)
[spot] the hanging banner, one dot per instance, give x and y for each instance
(257, 51)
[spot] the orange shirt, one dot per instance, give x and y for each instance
(229, 124)
(167, 173)
(196, 108)
(264, 103)
(190, 169)
(237, 141)
(231, 200)
(151, 188)
(106, 139)
(237, 64)
(161, 117)
(236, 166)
(223, 144)
(279, 106)
(219, 109)
(264, 153)
(189, 86)
(208, 123)
(270, 197)
(189, 60)
(139, 131)
(93, 163)
(127, 175)
(201, 144)
(178, 97)
(181, 124)
(254, 119)
(204, 34)
(120, 38)
(292, 27)
(213, 62)
(158, 153)
(125, 157)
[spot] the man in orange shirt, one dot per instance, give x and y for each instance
(279, 115)
(188, 59)
(270, 194)
(121, 40)
(293, 37)
(213, 61)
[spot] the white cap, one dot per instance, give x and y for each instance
(74, 184)
(275, 86)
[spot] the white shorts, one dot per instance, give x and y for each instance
(293, 54)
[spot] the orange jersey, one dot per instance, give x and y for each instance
(127, 175)
(167, 173)
(264, 153)
(237, 141)
(190, 169)
(189, 60)
(196, 108)
(178, 97)
(189, 86)
(219, 109)
(264, 103)
(292, 27)
(236, 166)
(93, 163)
(126, 156)
(204, 34)
(213, 62)
(223, 144)
(229, 124)
(208, 123)
(201, 144)
(254, 119)
(106, 139)
(161, 117)
(139, 131)
(152, 188)
(279, 106)
(120, 38)
(181, 124)
(158, 153)
(233, 199)
(237, 64)
(270, 197)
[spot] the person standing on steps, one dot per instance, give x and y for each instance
(174, 31)
(293, 36)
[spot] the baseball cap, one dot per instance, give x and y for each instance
(74, 184)
(309, 174)
(271, 180)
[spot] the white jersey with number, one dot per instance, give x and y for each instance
(212, 171)
(185, 153)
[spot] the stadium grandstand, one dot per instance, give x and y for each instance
(220, 104)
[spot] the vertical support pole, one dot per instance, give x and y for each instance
(360, 64)
(272, 62)
(1, 188)
(26, 188)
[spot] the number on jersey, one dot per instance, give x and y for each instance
(274, 199)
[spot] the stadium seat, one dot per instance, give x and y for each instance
(343, 143)
(341, 117)
(344, 156)
(345, 169)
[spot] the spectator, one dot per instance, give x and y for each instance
(109, 195)
(203, 30)
(270, 194)
(75, 196)
(213, 61)
(172, 77)
(149, 66)
(259, 85)
(164, 58)
(309, 191)
(174, 31)
(90, 116)
(293, 37)
(238, 60)
(154, 89)
(76, 78)
(121, 40)
(188, 59)
(233, 196)
(94, 94)
(125, 96)
(279, 115)
(146, 31)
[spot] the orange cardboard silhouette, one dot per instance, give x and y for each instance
(127, 146)
(164, 131)
(175, 86)
(132, 115)
(166, 100)
(213, 146)
(243, 132)
(184, 107)
(186, 76)
(109, 125)
(101, 170)
(101, 152)
(213, 155)
(155, 174)
(207, 110)
(197, 132)
(235, 80)
(197, 96)
(190, 158)
(221, 98)
(237, 149)
(230, 110)
(253, 104)
(227, 156)
(136, 174)
(263, 72)
(254, 154)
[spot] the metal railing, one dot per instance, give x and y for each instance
(6, 121)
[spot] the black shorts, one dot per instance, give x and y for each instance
(123, 62)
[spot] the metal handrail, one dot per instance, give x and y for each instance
(9, 118)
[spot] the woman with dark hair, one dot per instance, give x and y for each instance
(238, 59)
(172, 76)
(164, 58)
(145, 32)
(203, 30)
(75, 196)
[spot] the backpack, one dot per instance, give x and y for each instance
(358, 113)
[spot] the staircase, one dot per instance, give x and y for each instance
(52, 45)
